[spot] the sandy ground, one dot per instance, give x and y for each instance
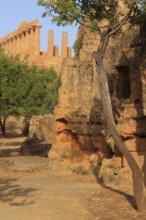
(29, 191)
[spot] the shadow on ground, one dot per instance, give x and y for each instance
(127, 196)
(15, 195)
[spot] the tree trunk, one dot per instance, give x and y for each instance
(2, 125)
(138, 185)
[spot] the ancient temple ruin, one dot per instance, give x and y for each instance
(25, 41)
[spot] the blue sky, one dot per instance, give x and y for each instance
(14, 12)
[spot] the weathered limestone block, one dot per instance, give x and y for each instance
(42, 127)
(41, 135)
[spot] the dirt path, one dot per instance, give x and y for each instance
(44, 198)
(50, 197)
(29, 191)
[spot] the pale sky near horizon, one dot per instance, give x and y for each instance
(14, 12)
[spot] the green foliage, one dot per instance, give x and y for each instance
(68, 12)
(139, 12)
(26, 90)
(42, 92)
(9, 95)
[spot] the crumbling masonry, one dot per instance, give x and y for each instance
(25, 41)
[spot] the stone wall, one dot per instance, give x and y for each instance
(25, 41)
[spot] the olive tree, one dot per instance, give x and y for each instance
(93, 13)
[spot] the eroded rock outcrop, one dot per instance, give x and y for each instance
(81, 135)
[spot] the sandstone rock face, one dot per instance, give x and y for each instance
(79, 121)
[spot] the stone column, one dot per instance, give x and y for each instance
(8, 46)
(64, 44)
(13, 46)
(21, 44)
(18, 44)
(56, 51)
(51, 43)
(27, 42)
(31, 44)
(24, 43)
(37, 40)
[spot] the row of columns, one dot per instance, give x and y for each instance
(26, 41)
(54, 50)
(23, 43)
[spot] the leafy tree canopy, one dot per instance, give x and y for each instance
(42, 92)
(66, 12)
(25, 90)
